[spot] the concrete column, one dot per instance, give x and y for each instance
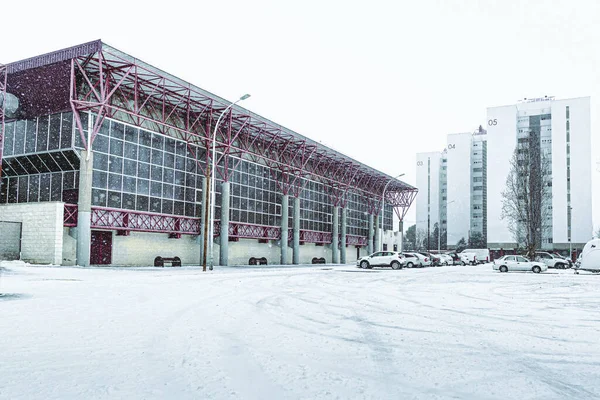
(401, 229)
(335, 255)
(377, 245)
(296, 237)
(370, 237)
(343, 240)
(203, 218)
(84, 209)
(224, 237)
(285, 200)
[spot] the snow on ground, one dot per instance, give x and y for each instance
(297, 333)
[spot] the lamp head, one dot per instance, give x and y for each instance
(244, 97)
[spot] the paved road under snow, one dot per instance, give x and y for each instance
(298, 333)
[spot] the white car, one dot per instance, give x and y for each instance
(445, 259)
(392, 259)
(424, 261)
(518, 263)
(467, 258)
(551, 260)
(411, 260)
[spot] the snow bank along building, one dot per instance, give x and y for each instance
(104, 161)
(474, 167)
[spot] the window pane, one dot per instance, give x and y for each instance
(45, 187)
(114, 181)
(66, 131)
(42, 135)
(9, 137)
(99, 179)
(29, 144)
(99, 197)
(100, 144)
(143, 170)
(54, 137)
(114, 199)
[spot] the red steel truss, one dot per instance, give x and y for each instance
(109, 83)
(70, 215)
(112, 84)
(125, 220)
(3, 78)
(122, 220)
(251, 231)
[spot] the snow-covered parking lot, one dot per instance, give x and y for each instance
(298, 333)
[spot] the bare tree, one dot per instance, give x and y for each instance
(420, 239)
(527, 197)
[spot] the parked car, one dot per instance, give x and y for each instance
(446, 259)
(416, 260)
(456, 260)
(435, 258)
(411, 260)
(467, 258)
(551, 260)
(567, 258)
(483, 255)
(518, 263)
(392, 259)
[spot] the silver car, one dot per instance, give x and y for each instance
(518, 263)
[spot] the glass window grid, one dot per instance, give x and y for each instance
(38, 135)
(167, 181)
(49, 186)
(139, 170)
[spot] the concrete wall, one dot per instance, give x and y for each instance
(69, 252)
(10, 240)
(240, 252)
(42, 237)
(140, 248)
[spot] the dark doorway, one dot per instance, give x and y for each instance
(101, 248)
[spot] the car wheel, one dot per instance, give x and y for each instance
(396, 265)
(364, 264)
(536, 269)
(503, 268)
(409, 265)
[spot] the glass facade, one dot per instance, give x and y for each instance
(39, 163)
(136, 169)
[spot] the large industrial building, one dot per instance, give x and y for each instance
(474, 167)
(106, 160)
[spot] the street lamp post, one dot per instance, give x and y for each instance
(570, 230)
(211, 189)
(382, 205)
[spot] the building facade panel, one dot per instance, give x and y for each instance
(459, 187)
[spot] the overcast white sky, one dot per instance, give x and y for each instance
(378, 80)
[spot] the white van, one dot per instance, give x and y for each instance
(590, 257)
(483, 255)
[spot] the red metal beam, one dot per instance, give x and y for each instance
(3, 79)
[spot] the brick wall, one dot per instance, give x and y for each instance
(42, 237)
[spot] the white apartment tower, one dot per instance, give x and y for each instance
(429, 199)
(562, 130)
